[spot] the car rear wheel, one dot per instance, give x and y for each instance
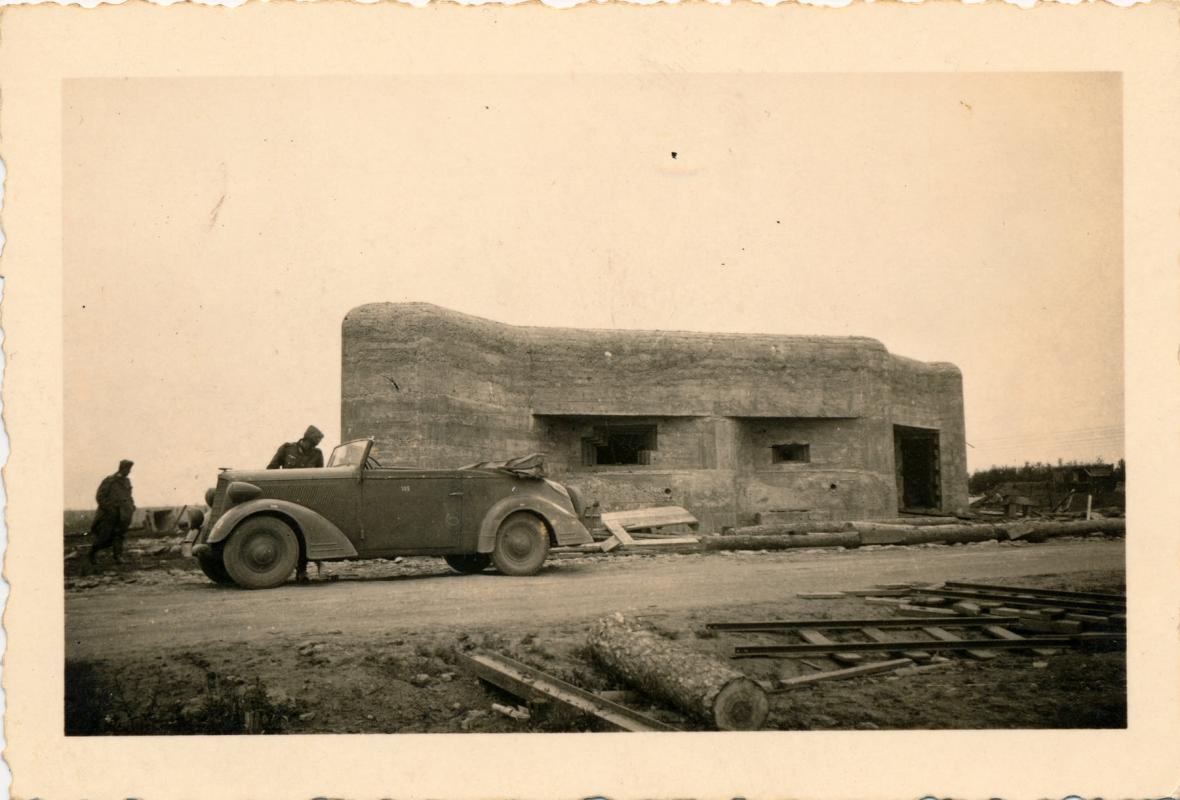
(261, 553)
(468, 563)
(522, 543)
(214, 567)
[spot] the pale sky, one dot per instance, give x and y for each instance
(217, 231)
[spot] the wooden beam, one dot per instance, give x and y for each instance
(812, 636)
(947, 636)
(841, 674)
(1003, 633)
(533, 685)
(1093, 640)
(1057, 593)
(851, 624)
(878, 635)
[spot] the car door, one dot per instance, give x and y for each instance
(406, 511)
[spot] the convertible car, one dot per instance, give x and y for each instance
(505, 514)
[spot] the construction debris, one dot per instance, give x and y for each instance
(694, 683)
(622, 524)
(535, 686)
(1096, 640)
(1037, 611)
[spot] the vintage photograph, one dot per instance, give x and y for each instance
(593, 402)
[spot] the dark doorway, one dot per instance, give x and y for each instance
(919, 479)
(619, 445)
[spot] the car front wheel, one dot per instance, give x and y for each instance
(261, 553)
(522, 543)
(214, 567)
(468, 563)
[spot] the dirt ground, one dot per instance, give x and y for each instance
(153, 647)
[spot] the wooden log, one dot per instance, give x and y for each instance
(1039, 531)
(919, 522)
(693, 682)
(767, 542)
(787, 528)
(874, 533)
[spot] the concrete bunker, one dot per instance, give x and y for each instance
(730, 426)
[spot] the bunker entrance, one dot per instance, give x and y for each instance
(915, 452)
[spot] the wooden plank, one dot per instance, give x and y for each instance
(1089, 640)
(905, 672)
(812, 636)
(654, 517)
(617, 530)
(1003, 633)
(841, 674)
(848, 624)
(878, 635)
(820, 595)
(1049, 626)
(606, 545)
(947, 636)
(1093, 619)
(926, 611)
(534, 685)
(1026, 601)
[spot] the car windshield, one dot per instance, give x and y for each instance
(349, 454)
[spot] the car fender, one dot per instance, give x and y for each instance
(322, 539)
(567, 528)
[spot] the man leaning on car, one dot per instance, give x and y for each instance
(303, 454)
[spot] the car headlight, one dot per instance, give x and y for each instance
(209, 497)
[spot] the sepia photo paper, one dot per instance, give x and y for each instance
(684, 400)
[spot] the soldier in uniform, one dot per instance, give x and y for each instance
(302, 454)
(115, 509)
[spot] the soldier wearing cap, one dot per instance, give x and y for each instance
(302, 454)
(115, 509)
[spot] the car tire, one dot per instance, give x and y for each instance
(468, 563)
(261, 553)
(214, 567)
(522, 544)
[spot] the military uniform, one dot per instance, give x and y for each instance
(292, 455)
(113, 518)
(302, 454)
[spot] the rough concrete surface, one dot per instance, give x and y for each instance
(440, 389)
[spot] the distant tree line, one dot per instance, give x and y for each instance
(987, 480)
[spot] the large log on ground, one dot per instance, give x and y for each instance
(786, 528)
(1039, 531)
(916, 521)
(692, 682)
(875, 533)
(764, 542)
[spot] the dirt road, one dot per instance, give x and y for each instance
(187, 611)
